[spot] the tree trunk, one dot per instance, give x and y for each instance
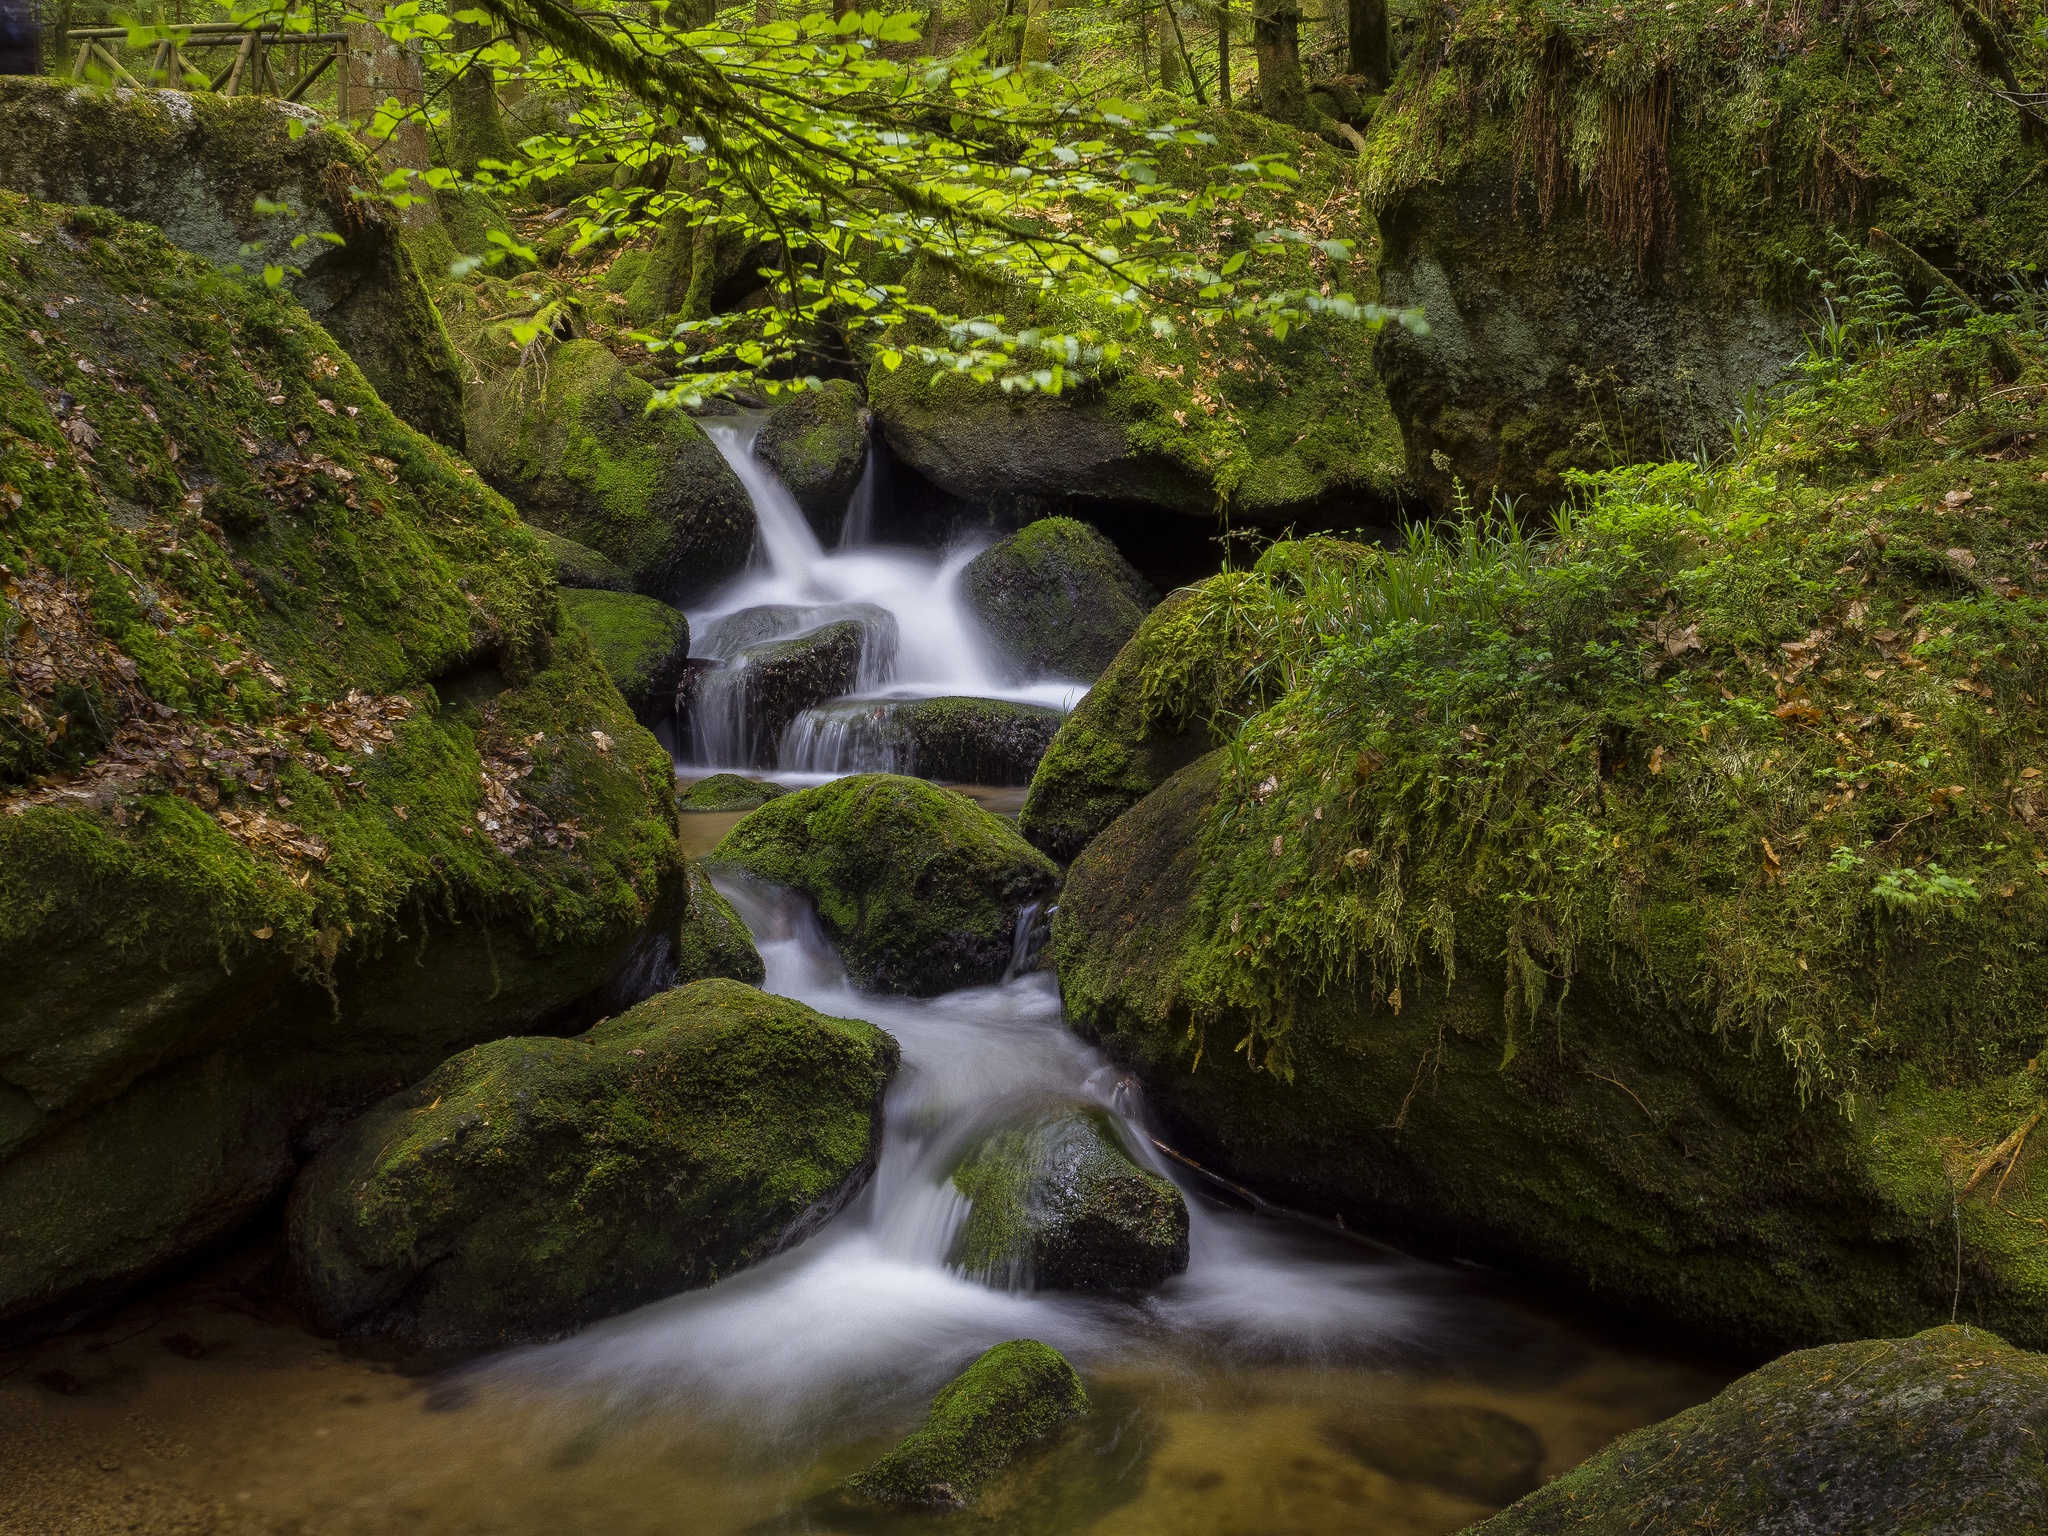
(1372, 45)
(476, 126)
(764, 12)
(1276, 38)
(1169, 56)
(1223, 53)
(1038, 32)
(379, 70)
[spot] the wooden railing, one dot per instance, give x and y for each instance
(250, 72)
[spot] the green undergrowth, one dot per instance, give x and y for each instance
(278, 669)
(1776, 121)
(1759, 743)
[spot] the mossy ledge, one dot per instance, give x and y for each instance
(304, 782)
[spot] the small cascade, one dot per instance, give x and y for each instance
(858, 530)
(851, 736)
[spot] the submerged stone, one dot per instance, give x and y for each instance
(1012, 1395)
(530, 1185)
(816, 441)
(1465, 1451)
(729, 792)
(1939, 1432)
(713, 940)
(1057, 599)
(1059, 1205)
(963, 740)
(642, 643)
(919, 888)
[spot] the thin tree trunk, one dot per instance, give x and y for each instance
(1223, 53)
(1180, 44)
(1372, 45)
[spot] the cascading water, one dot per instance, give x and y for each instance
(931, 645)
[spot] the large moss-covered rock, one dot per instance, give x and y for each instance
(569, 440)
(195, 165)
(643, 645)
(961, 740)
(1057, 599)
(919, 887)
(1939, 1432)
(714, 941)
(1059, 1205)
(532, 1184)
(1606, 245)
(301, 785)
(1660, 914)
(1012, 1395)
(816, 441)
(578, 565)
(729, 792)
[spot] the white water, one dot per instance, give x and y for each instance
(866, 1312)
(939, 648)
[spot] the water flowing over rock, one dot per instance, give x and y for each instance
(195, 165)
(1057, 598)
(530, 1185)
(739, 712)
(966, 741)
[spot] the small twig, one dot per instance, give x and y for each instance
(1265, 1207)
(2006, 1149)
(1624, 1087)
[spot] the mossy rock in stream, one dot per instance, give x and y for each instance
(816, 441)
(1057, 599)
(195, 164)
(530, 1185)
(960, 740)
(714, 941)
(643, 644)
(1059, 1205)
(1012, 1395)
(729, 792)
(569, 440)
(919, 887)
(578, 565)
(1661, 916)
(1941, 1432)
(764, 686)
(304, 783)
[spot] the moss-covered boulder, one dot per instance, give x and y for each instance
(1595, 213)
(1939, 1432)
(578, 565)
(643, 644)
(960, 740)
(816, 441)
(1059, 1205)
(570, 441)
(195, 165)
(729, 792)
(530, 1185)
(1057, 599)
(714, 941)
(303, 782)
(919, 887)
(1654, 907)
(740, 710)
(1012, 1395)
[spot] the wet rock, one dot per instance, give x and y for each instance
(728, 792)
(1012, 1395)
(725, 638)
(1059, 1205)
(713, 940)
(1057, 599)
(642, 643)
(816, 441)
(1939, 1432)
(740, 711)
(533, 1184)
(963, 740)
(1468, 1452)
(391, 719)
(919, 887)
(577, 565)
(195, 164)
(572, 445)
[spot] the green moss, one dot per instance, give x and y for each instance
(816, 441)
(1907, 1434)
(728, 792)
(919, 887)
(529, 1185)
(579, 566)
(643, 645)
(714, 940)
(1057, 598)
(1012, 1395)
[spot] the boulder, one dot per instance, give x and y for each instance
(196, 164)
(577, 565)
(725, 638)
(728, 792)
(530, 1185)
(816, 441)
(963, 740)
(714, 941)
(569, 440)
(1012, 1395)
(642, 643)
(740, 711)
(1059, 1205)
(1938, 1432)
(315, 788)
(919, 887)
(1057, 599)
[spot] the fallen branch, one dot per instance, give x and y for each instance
(2006, 1149)
(1264, 1207)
